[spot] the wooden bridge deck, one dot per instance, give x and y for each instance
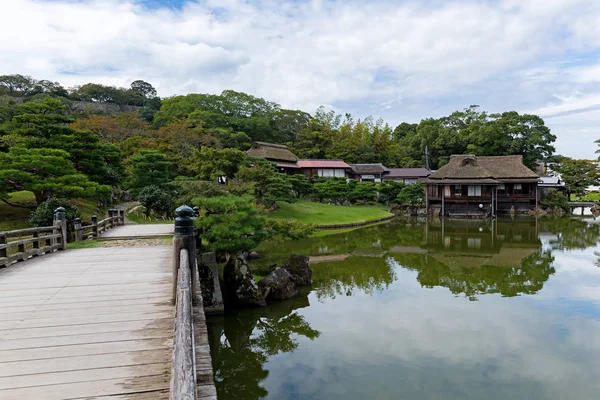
(89, 323)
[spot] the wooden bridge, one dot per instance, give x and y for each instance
(582, 205)
(101, 323)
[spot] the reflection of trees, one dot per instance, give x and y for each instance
(527, 278)
(242, 342)
(377, 237)
(571, 233)
(368, 274)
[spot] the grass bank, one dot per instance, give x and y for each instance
(12, 218)
(310, 212)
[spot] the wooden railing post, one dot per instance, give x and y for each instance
(196, 212)
(36, 244)
(111, 221)
(184, 239)
(78, 233)
(3, 251)
(94, 226)
(122, 217)
(60, 222)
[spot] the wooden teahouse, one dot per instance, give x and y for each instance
(474, 186)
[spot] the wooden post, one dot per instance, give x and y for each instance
(36, 244)
(122, 217)
(94, 226)
(3, 251)
(196, 212)
(78, 234)
(443, 198)
(111, 214)
(184, 239)
(60, 223)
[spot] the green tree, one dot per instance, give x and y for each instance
(45, 172)
(555, 200)
(144, 89)
(209, 163)
(157, 200)
(362, 192)
(270, 186)
(578, 175)
(412, 195)
(148, 167)
(16, 85)
(300, 185)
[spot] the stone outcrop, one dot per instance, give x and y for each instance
(212, 297)
(278, 285)
(240, 289)
(299, 269)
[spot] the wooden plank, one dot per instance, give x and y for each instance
(42, 353)
(158, 296)
(108, 387)
(123, 359)
(86, 307)
(126, 326)
(152, 395)
(20, 315)
(89, 338)
(96, 374)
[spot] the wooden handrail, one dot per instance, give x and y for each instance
(43, 240)
(183, 368)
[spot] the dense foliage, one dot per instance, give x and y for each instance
(44, 213)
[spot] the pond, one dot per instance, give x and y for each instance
(411, 309)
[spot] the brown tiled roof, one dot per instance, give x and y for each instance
(272, 151)
(408, 173)
(362, 169)
(468, 166)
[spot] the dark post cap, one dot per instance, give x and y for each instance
(196, 211)
(184, 223)
(59, 214)
(77, 220)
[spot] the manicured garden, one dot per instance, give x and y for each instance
(310, 212)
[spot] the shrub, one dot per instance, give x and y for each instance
(44, 213)
(555, 200)
(156, 200)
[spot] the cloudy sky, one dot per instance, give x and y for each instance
(402, 60)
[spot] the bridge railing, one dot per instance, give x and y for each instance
(22, 244)
(185, 285)
(83, 232)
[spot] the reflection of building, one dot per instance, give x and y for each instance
(466, 244)
(480, 186)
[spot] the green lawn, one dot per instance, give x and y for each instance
(326, 214)
(593, 196)
(12, 218)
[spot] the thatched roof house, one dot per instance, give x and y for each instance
(468, 168)
(369, 172)
(480, 186)
(272, 152)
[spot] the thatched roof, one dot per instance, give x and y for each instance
(368, 169)
(272, 151)
(470, 167)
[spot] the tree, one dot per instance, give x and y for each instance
(300, 185)
(211, 163)
(555, 200)
(144, 89)
(45, 172)
(44, 213)
(578, 175)
(44, 125)
(412, 195)
(113, 128)
(362, 192)
(16, 85)
(148, 167)
(157, 200)
(270, 186)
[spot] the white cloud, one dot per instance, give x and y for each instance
(302, 54)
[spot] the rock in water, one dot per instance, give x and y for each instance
(240, 289)
(278, 285)
(298, 267)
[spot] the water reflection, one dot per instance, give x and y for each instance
(366, 328)
(243, 341)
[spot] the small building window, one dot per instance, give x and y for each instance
(474, 190)
(518, 189)
(457, 191)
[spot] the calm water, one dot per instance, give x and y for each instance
(463, 310)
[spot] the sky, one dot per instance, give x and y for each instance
(401, 60)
